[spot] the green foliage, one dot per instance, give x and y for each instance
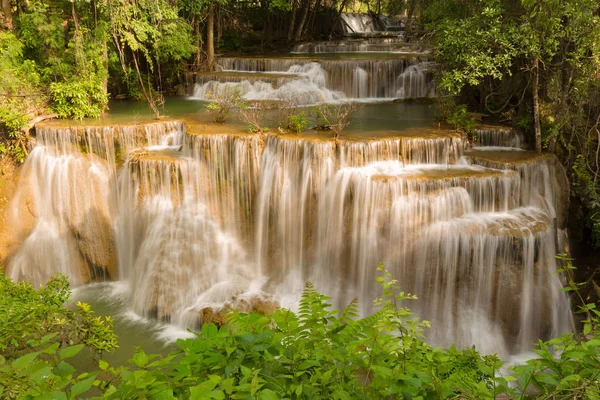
(315, 353)
(460, 119)
(20, 93)
(446, 110)
(587, 189)
(38, 335)
(473, 42)
(78, 99)
(297, 121)
(28, 316)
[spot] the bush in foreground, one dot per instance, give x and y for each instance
(318, 353)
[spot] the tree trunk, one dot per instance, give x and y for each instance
(536, 105)
(198, 58)
(293, 21)
(311, 21)
(219, 25)
(298, 33)
(210, 37)
(105, 65)
(8, 17)
(411, 11)
(338, 20)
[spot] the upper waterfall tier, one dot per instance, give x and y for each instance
(355, 23)
(317, 80)
(193, 218)
(110, 142)
(368, 45)
(544, 179)
(498, 136)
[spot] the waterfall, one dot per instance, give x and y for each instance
(360, 81)
(370, 45)
(326, 80)
(195, 222)
(359, 23)
(498, 137)
(309, 87)
(354, 23)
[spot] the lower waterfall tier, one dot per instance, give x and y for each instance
(195, 221)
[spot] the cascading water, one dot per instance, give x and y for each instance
(195, 221)
(309, 87)
(308, 81)
(191, 222)
(354, 23)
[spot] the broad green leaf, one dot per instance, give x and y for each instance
(268, 394)
(23, 361)
(70, 351)
(82, 386)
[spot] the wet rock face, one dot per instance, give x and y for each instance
(59, 220)
(18, 219)
(96, 243)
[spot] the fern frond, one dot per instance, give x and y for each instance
(358, 329)
(351, 312)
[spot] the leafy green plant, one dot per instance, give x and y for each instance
(38, 335)
(461, 120)
(317, 352)
(28, 315)
(79, 98)
(297, 121)
(446, 110)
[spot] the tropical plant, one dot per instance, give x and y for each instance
(37, 336)
(297, 121)
(315, 353)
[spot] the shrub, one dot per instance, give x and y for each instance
(252, 116)
(79, 98)
(38, 335)
(321, 353)
(446, 110)
(461, 121)
(21, 96)
(334, 117)
(224, 101)
(297, 121)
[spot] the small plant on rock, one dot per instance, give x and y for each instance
(446, 110)
(252, 115)
(223, 102)
(334, 117)
(297, 121)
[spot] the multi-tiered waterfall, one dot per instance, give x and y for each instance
(193, 216)
(193, 220)
(308, 80)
